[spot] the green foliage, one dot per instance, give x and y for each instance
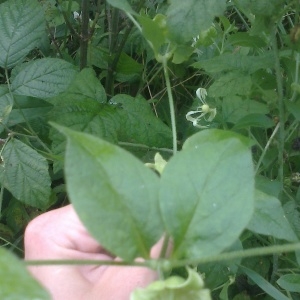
(125, 74)
(12, 271)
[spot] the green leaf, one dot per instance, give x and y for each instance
(254, 120)
(231, 83)
(16, 282)
(186, 19)
(236, 62)
(175, 288)
(43, 78)
(294, 109)
(203, 206)
(264, 284)
(28, 109)
(24, 172)
(139, 125)
(290, 282)
(82, 114)
(6, 104)
(114, 194)
(235, 108)
(123, 5)
(269, 218)
(88, 85)
(21, 28)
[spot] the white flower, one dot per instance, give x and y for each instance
(203, 110)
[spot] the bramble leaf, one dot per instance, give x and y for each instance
(24, 172)
(21, 27)
(43, 78)
(114, 194)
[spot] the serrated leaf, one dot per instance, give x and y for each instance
(88, 85)
(13, 271)
(6, 104)
(120, 211)
(187, 19)
(231, 83)
(269, 218)
(236, 62)
(204, 209)
(21, 28)
(254, 120)
(85, 115)
(138, 123)
(235, 108)
(290, 282)
(24, 172)
(43, 78)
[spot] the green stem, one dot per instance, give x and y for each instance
(171, 104)
(125, 144)
(266, 148)
(84, 39)
(279, 82)
(155, 264)
(261, 251)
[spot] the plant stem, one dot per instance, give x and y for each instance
(84, 39)
(144, 147)
(281, 135)
(296, 76)
(156, 264)
(266, 147)
(261, 251)
(171, 104)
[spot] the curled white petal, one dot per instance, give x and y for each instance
(201, 94)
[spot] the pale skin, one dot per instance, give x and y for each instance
(59, 234)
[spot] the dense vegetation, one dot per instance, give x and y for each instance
(205, 92)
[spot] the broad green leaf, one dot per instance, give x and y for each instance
(290, 282)
(186, 19)
(114, 194)
(6, 104)
(203, 206)
(291, 209)
(16, 282)
(81, 114)
(139, 125)
(294, 109)
(269, 218)
(254, 120)
(21, 28)
(128, 69)
(235, 108)
(24, 172)
(244, 39)
(88, 85)
(236, 62)
(231, 83)
(215, 136)
(28, 109)
(264, 284)
(43, 78)
(175, 288)
(122, 4)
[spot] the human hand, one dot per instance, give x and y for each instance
(59, 234)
